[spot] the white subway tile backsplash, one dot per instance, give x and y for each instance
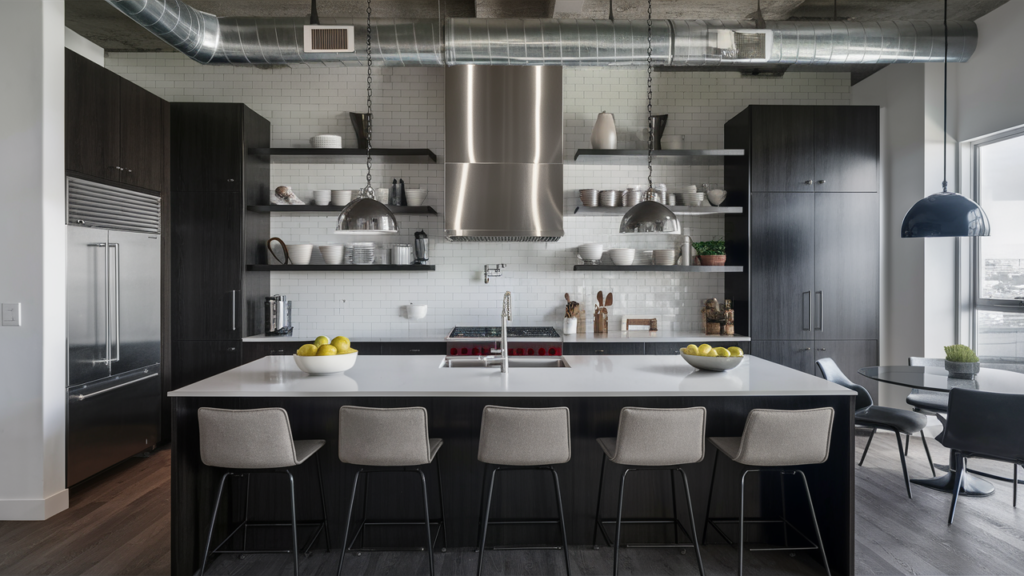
(301, 102)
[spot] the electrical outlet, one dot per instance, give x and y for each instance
(11, 314)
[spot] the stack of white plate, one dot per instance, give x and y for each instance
(325, 141)
(332, 254)
(622, 256)
(415, 196)
(632, 197)
(664, 257)
(692, 198)
(362, 253)
(610, 198)
(588, 196)
(341, 197)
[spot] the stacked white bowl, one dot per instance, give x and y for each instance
(321, 197)
(300, 253)
(325, 141)
(591, 252)
(610, 198)
(632, 197)
(588, 196)
(332, 253)
(622, 256)
(664, 257)
(341, 197)
(415, 196)
(362, 252)
(691, 197)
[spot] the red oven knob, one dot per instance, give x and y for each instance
(454, 351)
(558, 351)
(476, 351)
(529, 351)
(520, 352)
(542, 352)
(465, 351)
(553, 352)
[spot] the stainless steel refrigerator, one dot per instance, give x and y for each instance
(113, 333)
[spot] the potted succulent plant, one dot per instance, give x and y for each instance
(711, 252)
(961, 362)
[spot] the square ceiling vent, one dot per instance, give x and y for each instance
(318, 38)
(746, 45)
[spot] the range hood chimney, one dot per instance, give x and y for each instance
(503, 153)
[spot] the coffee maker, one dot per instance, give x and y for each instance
(422, 244)
(277, 315)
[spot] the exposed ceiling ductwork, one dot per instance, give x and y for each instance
(679, 43)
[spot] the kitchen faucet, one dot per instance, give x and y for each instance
(506, 317)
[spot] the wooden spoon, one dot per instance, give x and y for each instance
(600, 297)
(567, 298)
(608, 301)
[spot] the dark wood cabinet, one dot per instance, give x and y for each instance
(412, 348)
(213, 236)
(850, 356)
(846, 148)
(196, 360)
(782, 260)
(813, 148)
(114, 130)
(598, 349)
(207, 150)
(846, 267)
(795, 354)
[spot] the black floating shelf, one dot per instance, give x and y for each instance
(345, 155)
(336, 209)
(684, 210)
(639, 156)
(653, 268)
(339, 268)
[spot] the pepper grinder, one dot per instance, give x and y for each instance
(422, 244)
(393, 198)
(401, 193)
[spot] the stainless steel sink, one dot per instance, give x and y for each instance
(517, 362)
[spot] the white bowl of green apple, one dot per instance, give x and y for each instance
(325, 356)
(706, 357)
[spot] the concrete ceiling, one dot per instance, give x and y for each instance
(102, 24)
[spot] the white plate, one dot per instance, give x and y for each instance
(315, 365)
(711, 363)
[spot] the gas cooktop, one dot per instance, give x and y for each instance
(494, 332)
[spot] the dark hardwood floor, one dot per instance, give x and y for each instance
(120, 524)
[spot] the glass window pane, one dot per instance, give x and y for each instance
(1001, 191)
(1000, 334)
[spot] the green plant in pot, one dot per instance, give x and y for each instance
(961, 362)
(711, 252)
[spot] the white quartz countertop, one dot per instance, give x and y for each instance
(587, 376)
(612, 337)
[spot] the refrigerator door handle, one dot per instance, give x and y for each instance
(106, 298)
(80, 397)
(117, 302)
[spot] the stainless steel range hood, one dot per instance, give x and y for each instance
(503, 153)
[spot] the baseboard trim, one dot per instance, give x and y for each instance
(42, 509)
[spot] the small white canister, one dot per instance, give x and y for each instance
(568, 326)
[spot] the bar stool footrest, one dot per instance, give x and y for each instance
(675, 521)
(248, 524)
(713, 522)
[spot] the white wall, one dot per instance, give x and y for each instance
(409, 112)
(32, 227)
(77, 43)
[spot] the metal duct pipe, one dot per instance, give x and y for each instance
(512, 41)
(208, 39)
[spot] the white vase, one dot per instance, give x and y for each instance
(603, 137)
(568, 326)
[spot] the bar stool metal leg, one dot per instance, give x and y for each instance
(618, 523)
(675, 507)
(245, 521)
(426, 522)
(693, 522)
(711, 490)
(323, 502)
(600, 492)
(295, 527)
(486, 517)
(814, 517)
(440, 498)
(348, 522)
(213, 520)
(743, 503)
(561, 521)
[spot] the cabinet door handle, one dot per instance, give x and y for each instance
(231, 349)
(808, 182)
(821, 181)
(414, 350)
(599, 351)
(819, 349)
(807, 325)
(821, 311)
(234, 307)
(231, 179)
(807, 349)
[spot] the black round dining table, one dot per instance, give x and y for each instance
(936, 379)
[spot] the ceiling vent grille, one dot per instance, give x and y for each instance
(101, 206)
(328, 38)
(741, 45)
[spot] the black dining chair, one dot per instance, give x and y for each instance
(868, 415)
(925, 401)
(983, 425)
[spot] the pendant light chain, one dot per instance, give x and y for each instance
(650, 96)
(945, 85)
(369, 97)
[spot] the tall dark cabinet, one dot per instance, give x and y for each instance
(215, 302)
(809, 234)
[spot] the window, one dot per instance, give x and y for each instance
(998, 269)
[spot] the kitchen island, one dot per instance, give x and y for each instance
(594, 388)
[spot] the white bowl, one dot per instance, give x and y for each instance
(712, 363)
(332, 254)
(692, 199)
(622, 256)
(664, 257)
(321, 197)
(341, 197)
(300, 253)
(325, 364)
(325, 141)
(591, 251)
(416, 311)
(415, 196)
(716, 197)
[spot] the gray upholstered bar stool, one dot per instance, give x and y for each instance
(391, 440)
(518, 439)
(776, 441)
(653, 439)
(243, 442)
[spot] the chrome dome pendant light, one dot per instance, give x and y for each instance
(946, 214)
(649, 216)
(364, 215)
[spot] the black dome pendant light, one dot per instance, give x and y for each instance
(946, 214)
